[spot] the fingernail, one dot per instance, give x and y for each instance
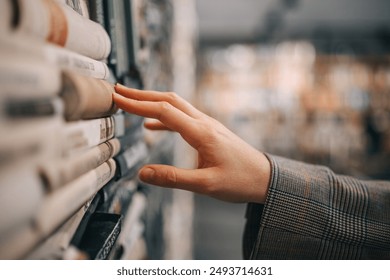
(147, 174)
(115, 95)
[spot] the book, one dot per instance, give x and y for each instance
(31, 108)
(5, 17)
(64, 202)
(28, 243)
(132, 229)
(100, 235)
(55, 246)
(30, 140)
(119, 120)
(119, 202)
(18, 244)
(21, 192)
(116, 26)
(96, 14)
(80, 6)
(78, 136)
(86, 98)
(78, 234)
(130, 160)
(57, 173)
(57, 23)
(27, 77)
(60, 57)
(132, 130)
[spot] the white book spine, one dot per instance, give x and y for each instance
(59, 24)
(30, 141)
(81, 135)
(24, 77)
(135, 154)
(56, 244)
(76, 62)
(5, 17)
(60, 172)
(86, 98)
(119, 120)
(61, 204)
(132, 228)
(54, 55)
(22, 192)
(17, 245)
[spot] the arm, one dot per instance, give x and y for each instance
(316, 214)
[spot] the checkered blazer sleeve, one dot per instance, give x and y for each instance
(312, 213)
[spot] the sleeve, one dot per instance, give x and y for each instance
(312, 213)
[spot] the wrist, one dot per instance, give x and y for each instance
(264, 179)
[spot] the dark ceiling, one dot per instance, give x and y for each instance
(364, 25)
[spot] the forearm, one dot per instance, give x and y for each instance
(317, 214)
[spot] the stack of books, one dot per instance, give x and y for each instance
(65, 149)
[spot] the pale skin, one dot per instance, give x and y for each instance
(228, 168)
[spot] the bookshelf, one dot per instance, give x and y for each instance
(68, 156)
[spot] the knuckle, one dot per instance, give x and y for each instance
(171, 177)
(164, 107)
(209, 185)
(210, 132)
(171, 96)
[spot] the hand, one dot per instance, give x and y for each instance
(228, 168)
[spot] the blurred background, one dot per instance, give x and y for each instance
(304, 79)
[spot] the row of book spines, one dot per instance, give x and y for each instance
(126, 241)
(52, 176)
(34, 143)
(70, 241)
(53, 210)
(56, 23)
(32, 92)
(59, 172)
(60, 221)
(129, 204)
(17, 49)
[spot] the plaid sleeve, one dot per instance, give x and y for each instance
(311, 213)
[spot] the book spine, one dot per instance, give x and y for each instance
(131, 158)
(6, 13)
(19, 243)
(119, 57)
(24, 77)
(22, 192)
(119, 120)
(80, 6)
(76, 62)
(86, 98)
(29, 141)
(54, 55)
(81, 135)
(61, 204)
(59, 24)
(56, 244)
(97, 11)
(132, 228)
(58, 173)
(32, 108)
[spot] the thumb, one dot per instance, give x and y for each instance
(172, 177)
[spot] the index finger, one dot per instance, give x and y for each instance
(170, 97)
(171, 117)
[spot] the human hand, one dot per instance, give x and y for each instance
(229, 169)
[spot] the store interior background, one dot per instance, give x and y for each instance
(305, 79)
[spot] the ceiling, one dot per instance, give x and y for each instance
(355, 21)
